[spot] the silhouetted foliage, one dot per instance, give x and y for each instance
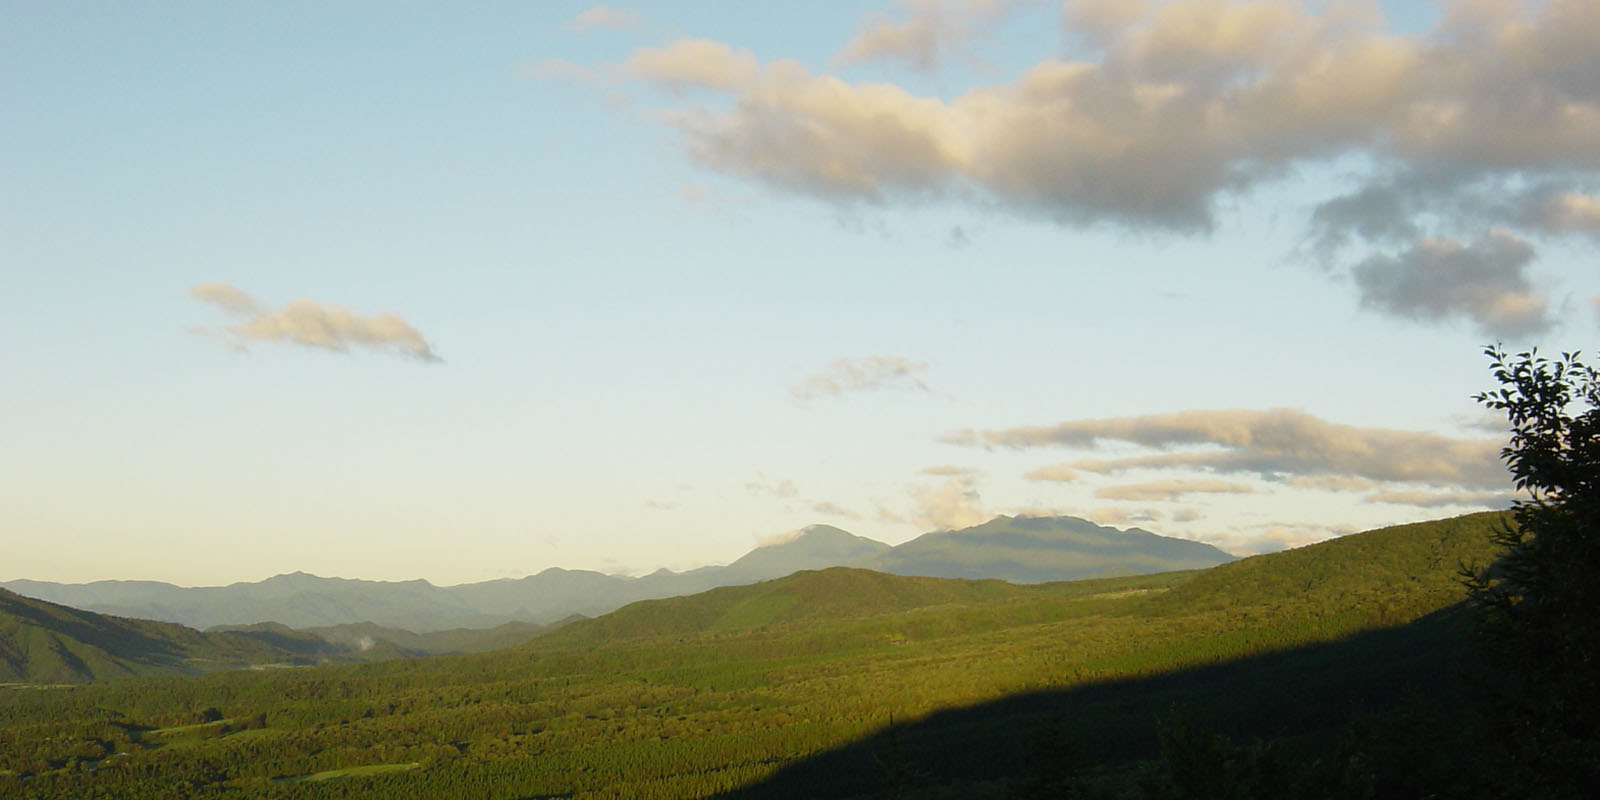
(1539, 604)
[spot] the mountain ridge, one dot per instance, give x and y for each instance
(1021, 549)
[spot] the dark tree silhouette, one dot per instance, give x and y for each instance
(1539, 605)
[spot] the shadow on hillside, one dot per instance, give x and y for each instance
(137, 640)
(1311, 693)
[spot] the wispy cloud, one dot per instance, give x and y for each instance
(1275, 444)
(1169, 490)
(1117, 515)
(953, 504)
(310, 323)
(1331, 483)
(924, 33)
(784, 488)
(830, 509)
(605, 17)
(1059, 473)
(1442, 499)
(866, 373)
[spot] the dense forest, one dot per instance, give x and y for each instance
(934, 687)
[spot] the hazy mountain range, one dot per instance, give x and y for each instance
(1017, 549)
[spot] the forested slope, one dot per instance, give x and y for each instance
(46, 642)
(836, 683)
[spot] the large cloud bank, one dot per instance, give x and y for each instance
(1479, 138)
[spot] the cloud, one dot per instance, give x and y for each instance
(834, 510)
(1169, 490)
(779, 538)
(784, 488)
(694, 64)
(1276, 537)
(1060, 473)
(952, 504)
(1437, 499)
(1177, 108)
(1566, 212)
(1274, 444)
(1115, 515)
(949, 469)
(1155, 461)
(1187, 515)
(605, 17)
(887, 516)
(866, 373)
(228, 298)
(1331, 483)
(1436, 279)
(931, 31)
(311, 324)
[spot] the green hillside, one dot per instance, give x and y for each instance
(45, 642)
(837, 683)
(1403, 571)
(838, 594)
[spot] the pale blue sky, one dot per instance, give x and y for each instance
(670, 321)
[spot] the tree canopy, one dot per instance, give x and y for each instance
(1539, 604)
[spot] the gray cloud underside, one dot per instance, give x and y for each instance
(1495, 112)
(311, 324)
(1276, 444)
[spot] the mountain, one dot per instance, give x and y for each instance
(297, 600)
(1025, 549)
(1018, 549)
(813, 547)
(51, 643)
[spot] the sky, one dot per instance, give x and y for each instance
(397, 290)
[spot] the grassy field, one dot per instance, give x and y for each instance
(837, 683)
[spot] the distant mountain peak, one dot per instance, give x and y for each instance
(1029, 549)
(811, 547)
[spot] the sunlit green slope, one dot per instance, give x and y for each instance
(784, 689)
(836, 595)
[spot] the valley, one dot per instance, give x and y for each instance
(835, 682)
